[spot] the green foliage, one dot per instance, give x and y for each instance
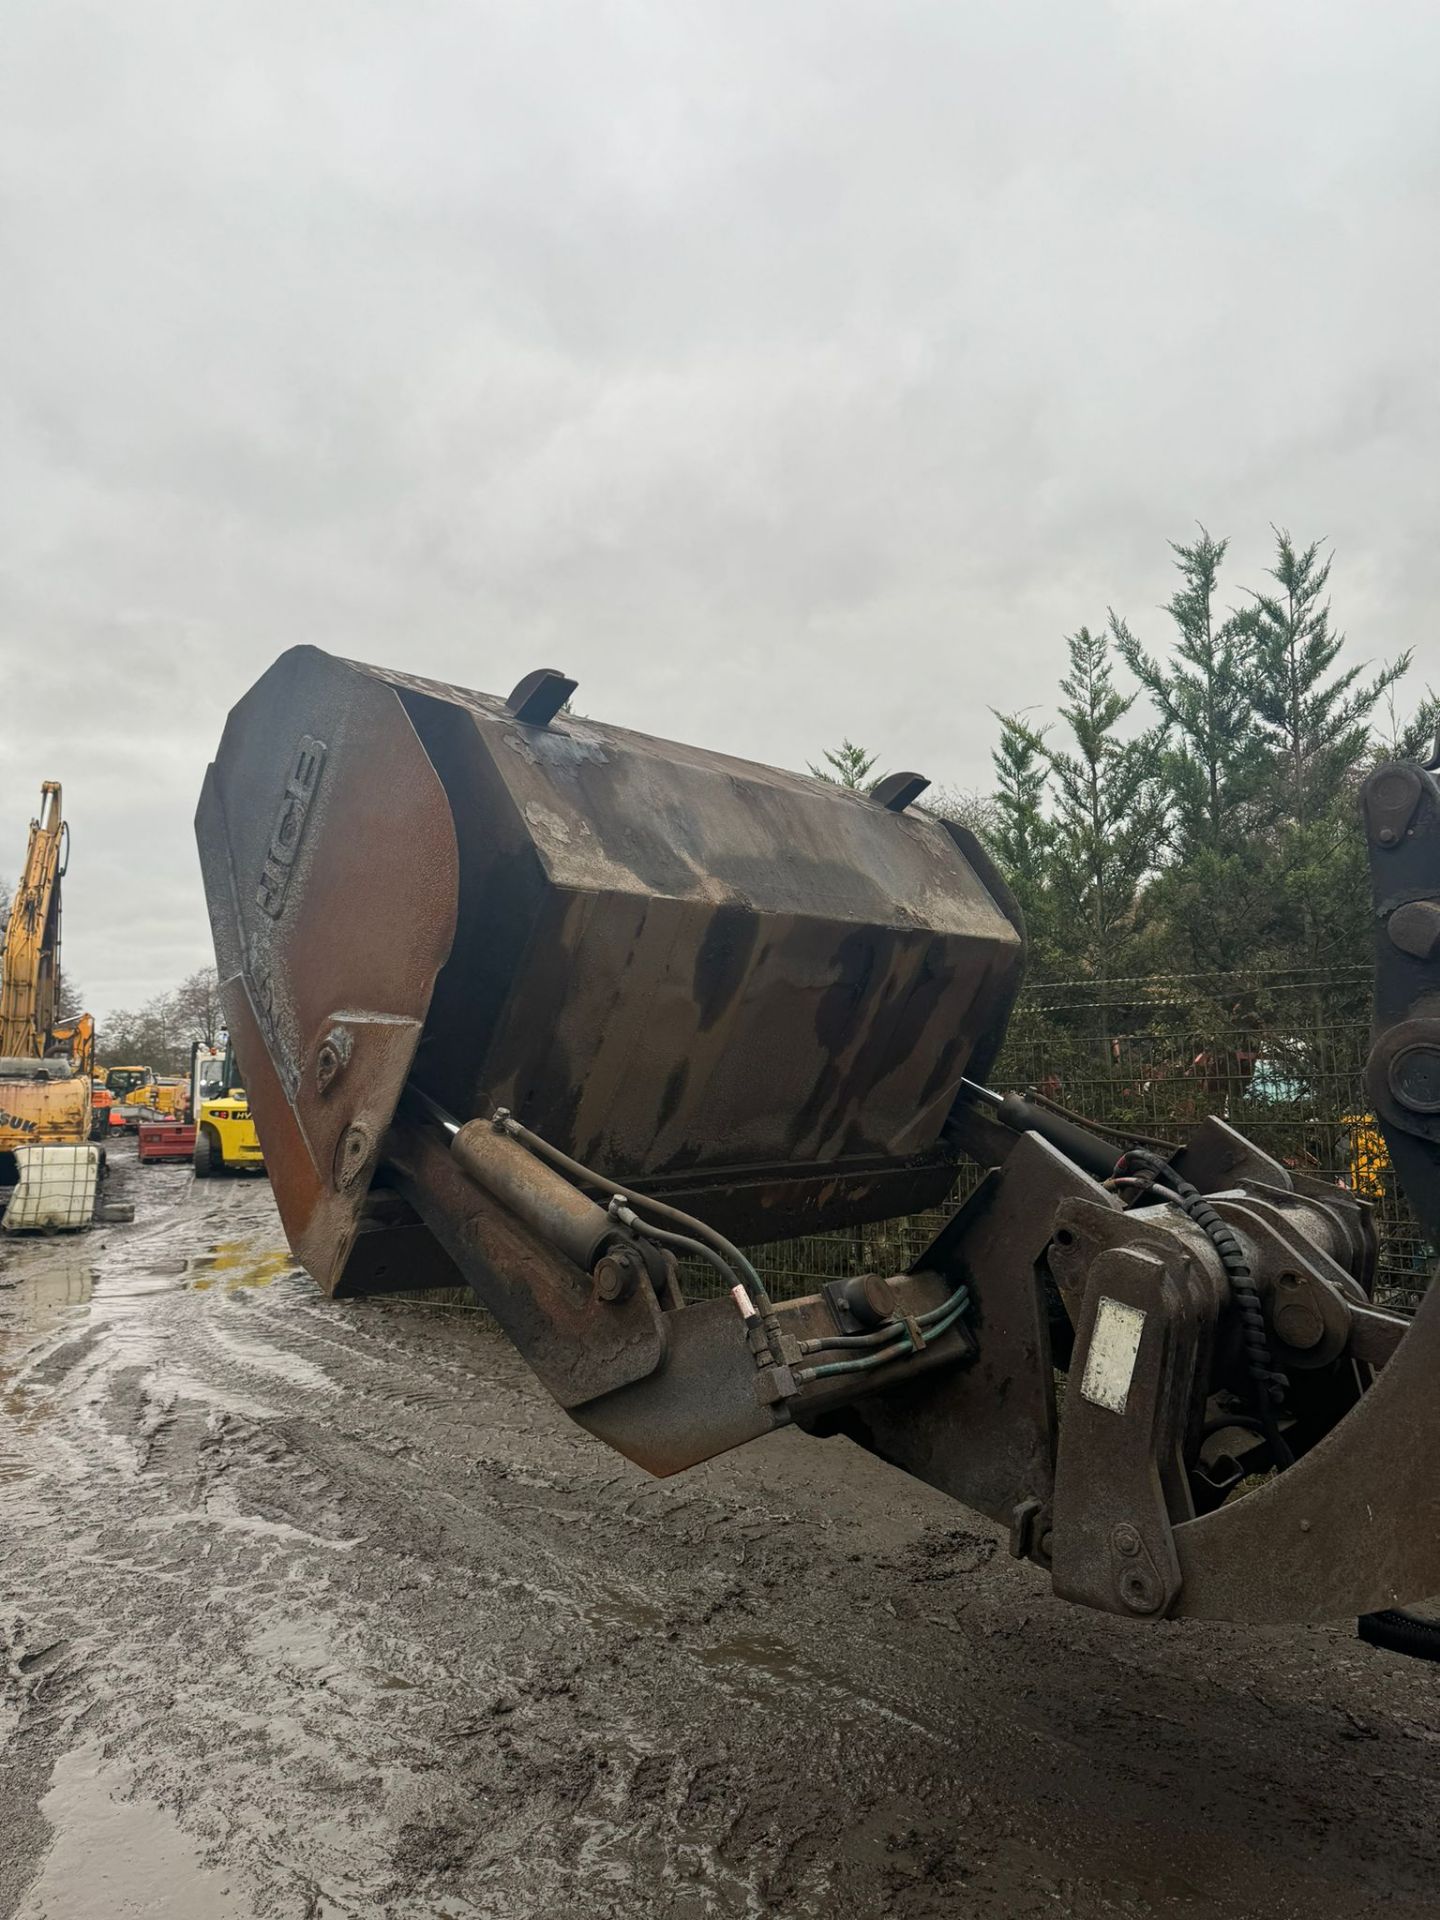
(1415, 736)
(1225, 835)
(1313, 737)
(1201, 695)
(1109, 821)
(847, 766)
(1202, 897)
(1313, 725)
(1023, 834)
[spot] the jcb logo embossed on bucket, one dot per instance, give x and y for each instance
(289, 828)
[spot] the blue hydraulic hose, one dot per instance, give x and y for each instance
(884, 1336)
(896, 1350)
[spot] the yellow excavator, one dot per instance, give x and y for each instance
(45, 1063)
(138, 1094)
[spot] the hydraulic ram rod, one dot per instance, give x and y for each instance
(1087, 1150)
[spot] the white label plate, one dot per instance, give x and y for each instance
(1110, 1363)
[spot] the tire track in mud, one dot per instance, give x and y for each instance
(340, 1593)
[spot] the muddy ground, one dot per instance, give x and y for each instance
(316, 1610)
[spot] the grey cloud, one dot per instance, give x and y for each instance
(782, 371)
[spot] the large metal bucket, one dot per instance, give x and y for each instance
(740, 988)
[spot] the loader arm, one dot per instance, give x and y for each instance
(573, 1016)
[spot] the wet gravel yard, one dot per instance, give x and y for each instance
(314, 1610)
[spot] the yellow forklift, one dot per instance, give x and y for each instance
(225, 1136)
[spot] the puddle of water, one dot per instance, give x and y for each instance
(114, 1859)
(753, 1653)
(138, 1282)
(37, 1301)
(613, 1611)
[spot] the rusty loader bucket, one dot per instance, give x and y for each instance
(571, 1015)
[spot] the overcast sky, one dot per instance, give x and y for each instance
(780, 368)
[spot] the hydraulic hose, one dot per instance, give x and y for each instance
(685, 1222)
(716, 1250)
(858, 1342)
(894, 1350)
(1400, 1631)
(682, 1242)
(1267, 1384)
(1395, 1629)
(703, 1242)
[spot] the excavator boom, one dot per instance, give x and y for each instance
(30, 956)
(45, 1065)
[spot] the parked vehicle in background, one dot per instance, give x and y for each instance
(163, 1136)
(139, 1093)
(122, 1082)
(225, 1137)
(45, 1062)
(101, 1101)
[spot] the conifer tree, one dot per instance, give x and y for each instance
(1110, 815)
(1312, 723)
(847, 766)
(1022, 837)
(1414, 736)
(1202, 697)
(1315, 727)
(1205, 900)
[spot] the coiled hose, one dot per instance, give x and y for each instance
(1400, 1631)
(1393, 1628)
(1268, 1385)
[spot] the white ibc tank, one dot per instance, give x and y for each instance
(56, 1188)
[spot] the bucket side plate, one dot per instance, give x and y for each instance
(328, 855)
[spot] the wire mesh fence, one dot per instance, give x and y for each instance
(1280, 1055)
